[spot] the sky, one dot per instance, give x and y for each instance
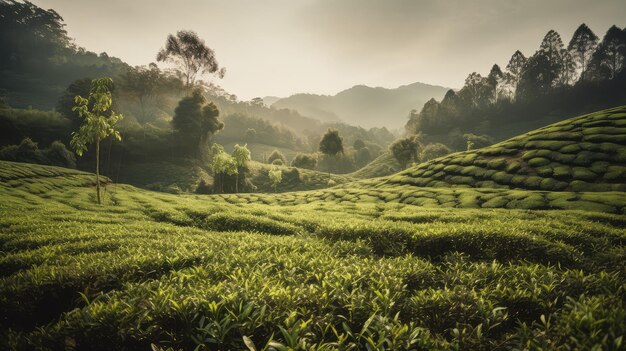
(283, 47)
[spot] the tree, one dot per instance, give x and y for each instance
(581, 48)
(221, 164)
(432, 151)
(609, 58)
(277, 155)
(515, 67)
(405, 150)
(241, 155)
(308, 161)
(560, 64)
(275, 176)
(476, 92)
(191, 55)
(99, 121)
(195, 121)
(331, 143)
(496, 80)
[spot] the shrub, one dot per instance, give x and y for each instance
(307, 161)
(28, 151)
(277, 155)
(432, 151)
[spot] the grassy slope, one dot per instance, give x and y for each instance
(381, 166)
(184, 270)
(586, 153)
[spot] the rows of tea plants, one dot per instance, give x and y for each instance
(585, 153)
(152, 270)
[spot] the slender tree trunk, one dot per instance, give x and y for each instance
(237, 182)
(98, 169)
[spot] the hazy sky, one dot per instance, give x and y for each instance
(281, 47)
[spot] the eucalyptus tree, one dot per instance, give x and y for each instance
(515, 68)
(581, 47)
(99, 121)
(191, 55)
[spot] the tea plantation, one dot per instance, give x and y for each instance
(379, 264)
(586, 153)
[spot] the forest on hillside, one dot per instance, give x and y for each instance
(530, 92)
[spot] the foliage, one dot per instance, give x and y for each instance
(405, 150)
(258, 130)
(530, 89)
(222, 165)
(585, 153)
(99, 121)
(308, 161)
(277, 156)
(230, 271)
(331, 143)
(39, 59)
(432, 151)
(28, 151)
(195, 121)
(275, 176)
(191, 54)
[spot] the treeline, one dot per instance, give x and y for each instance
(554, 82)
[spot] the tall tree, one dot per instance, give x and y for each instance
(581, 48)
(222, 164)
(331, 145)
(191, 55)
(609, 58)
(99, 121)
(515, 67)
(476, 92)
(241, 155)
(195, 121)
(496, 80)
(552, 47)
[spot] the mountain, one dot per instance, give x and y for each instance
(364, 106)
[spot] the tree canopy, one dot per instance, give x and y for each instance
(331, 143)
(191, 55)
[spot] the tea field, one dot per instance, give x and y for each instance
(363, 266)
(585, 153)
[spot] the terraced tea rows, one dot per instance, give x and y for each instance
(199, 272)
(586, 153)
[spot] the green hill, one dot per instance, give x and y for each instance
(383, 165)
(585, 153)
(180, 272)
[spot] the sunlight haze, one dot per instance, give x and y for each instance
(282, 47)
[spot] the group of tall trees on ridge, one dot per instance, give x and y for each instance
(552, 68)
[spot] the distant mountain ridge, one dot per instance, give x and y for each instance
(363, 105)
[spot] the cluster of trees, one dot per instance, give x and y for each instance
(240, 127)
(331, 155)
(170, 115)
(552, 80)
(27, 150)
(413, 149)
(229, 171)
(38, 58)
